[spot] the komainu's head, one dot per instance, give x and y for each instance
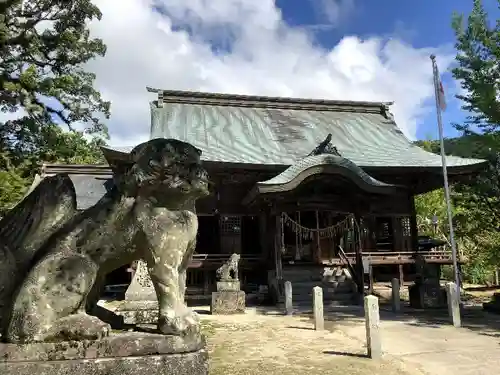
(160, 169)
(235, 258)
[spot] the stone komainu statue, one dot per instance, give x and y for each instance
(224, 271)
(53, 259)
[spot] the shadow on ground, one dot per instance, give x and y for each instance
(345, 354)
(474, 318)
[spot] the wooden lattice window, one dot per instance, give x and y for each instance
(230, 225)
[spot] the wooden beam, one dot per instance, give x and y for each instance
(401, 275)
(413, 223)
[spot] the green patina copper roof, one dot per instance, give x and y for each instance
(316, 162)
(279, 131)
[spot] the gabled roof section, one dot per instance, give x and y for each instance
(281, 131)
(324, 164)
(91, 181)
(96, 170)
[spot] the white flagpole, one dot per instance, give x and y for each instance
(445, 175)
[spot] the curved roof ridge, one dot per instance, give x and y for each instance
(322, 164)
(318, 160)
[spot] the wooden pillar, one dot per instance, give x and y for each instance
(206, 282)
(359, 253)
(277, 247)
(397, 234)
(318, 240)
(298, 237)
(371, 280)
(413, 224)
(401, 275)
(264, 243)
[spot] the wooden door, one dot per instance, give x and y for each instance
(230, 232)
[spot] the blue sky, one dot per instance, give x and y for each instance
(370, 50)
(422, 23)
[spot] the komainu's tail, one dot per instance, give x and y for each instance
(25, 229)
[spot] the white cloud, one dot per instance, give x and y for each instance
(334, 11)
(266, 56)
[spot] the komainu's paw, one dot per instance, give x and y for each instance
(77, 327)
(181, 321)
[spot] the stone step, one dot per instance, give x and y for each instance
(303, 272)
(322, 283)
(293, 277)
(316, 278)
(319, 274)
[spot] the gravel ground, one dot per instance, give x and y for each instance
(255, 344)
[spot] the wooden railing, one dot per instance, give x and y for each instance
(345, 259)
(386, 257)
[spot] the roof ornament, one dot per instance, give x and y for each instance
(386, 112)
(325, 147)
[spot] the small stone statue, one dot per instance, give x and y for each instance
(224, 271)
(53, 259)
(228, 299)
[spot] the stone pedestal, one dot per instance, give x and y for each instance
(128, 353)
(140, 305)
(494, 305)
(231, 285)
(132, 312)
(141, 287)
(427, 295)
(228, 302)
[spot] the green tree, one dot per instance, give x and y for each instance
(478, 70)
(44, 45)
(55, 146)
(12, 184)
(475, 207)
(478, 194)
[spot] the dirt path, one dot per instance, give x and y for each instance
(428, 342)
(254, 344)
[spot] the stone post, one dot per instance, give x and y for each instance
(453, 304)
(372, 322)
(141, 288)
(288, 298)
(140, 305)
(319, 320)
(395, 295)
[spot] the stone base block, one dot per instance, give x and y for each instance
(228, 302)
(494, 305)
(427, 296)
(231, 285)
(133, 312)
(128, 353)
